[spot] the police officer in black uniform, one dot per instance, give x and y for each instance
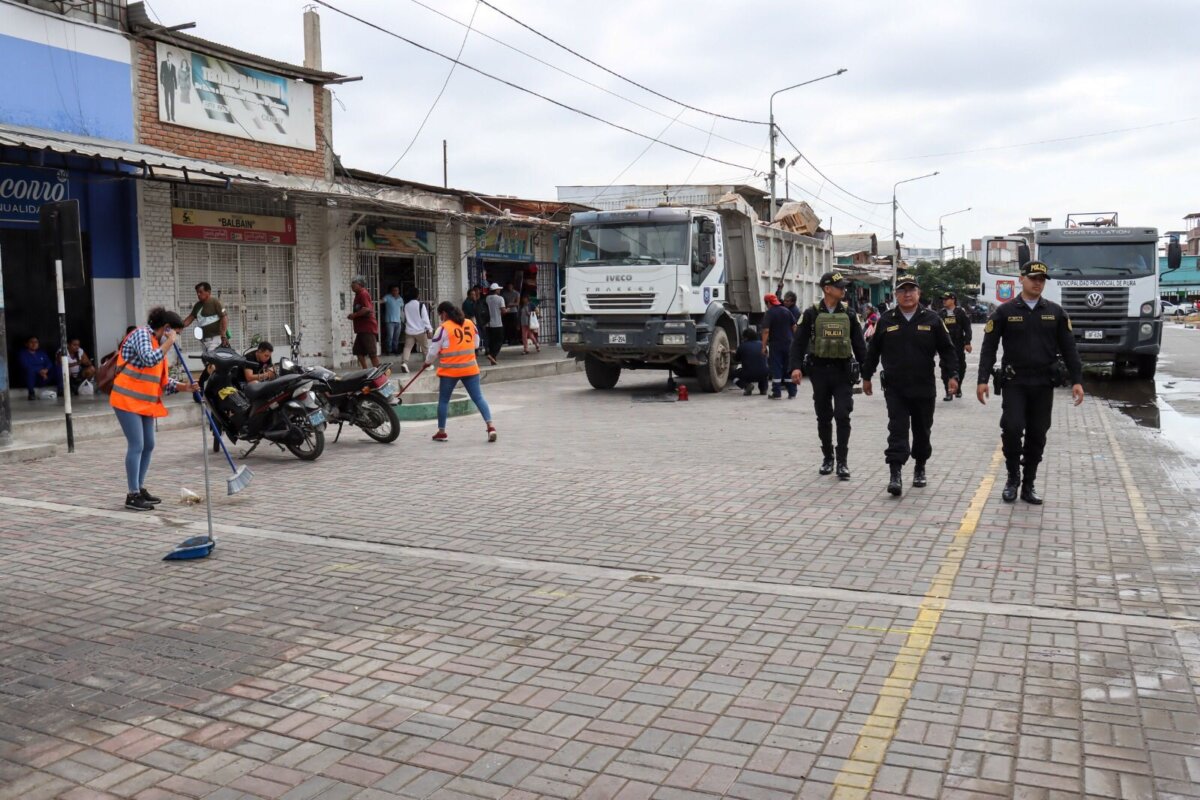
(906, 339)
(959, 325)
(827, 348)
(1035, 333)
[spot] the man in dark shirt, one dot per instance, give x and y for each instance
(752, 364)
(959, 325)
(1035, 333)
(828, 344)
(777, 341)
(38, 368)
(366, 324)
(789, 302)
(906, 340)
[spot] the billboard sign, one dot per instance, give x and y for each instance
(23, 191)
(225, 226)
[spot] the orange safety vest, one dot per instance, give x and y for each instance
(456, 359)
(139, 389)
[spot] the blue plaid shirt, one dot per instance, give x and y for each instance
(139, 349)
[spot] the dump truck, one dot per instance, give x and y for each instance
(674, 288)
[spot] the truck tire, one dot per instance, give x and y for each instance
(600, 374)
(1146, 367)
(714, 376)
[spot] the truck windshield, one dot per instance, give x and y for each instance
(1128, 259)
(629, 243)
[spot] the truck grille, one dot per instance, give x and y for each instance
(1112, 317)
(625, 301)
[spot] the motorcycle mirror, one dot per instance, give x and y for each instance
(198, 332)
(287, 329)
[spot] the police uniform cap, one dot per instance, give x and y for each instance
(1034, 268)
(949, 296)
(834, 279)
(907, 280)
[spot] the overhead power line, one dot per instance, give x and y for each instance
(828, 179)
(792, 184)
(630, 81)
(1025, 144)
(585, 81)
(520, 88)
(904, 211)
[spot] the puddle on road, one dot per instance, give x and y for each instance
(1166, 404)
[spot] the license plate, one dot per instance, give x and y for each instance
(316, 417)
(616, 338)
(387, 390)
(1093, 334)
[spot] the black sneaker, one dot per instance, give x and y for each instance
(919, 480)
(747, 391)
(149, 498)
(826, 466)
(135, 502)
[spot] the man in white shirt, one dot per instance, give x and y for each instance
(416, 326)
(495, 327)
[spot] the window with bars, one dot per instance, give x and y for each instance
(207, 198)
(256, 284)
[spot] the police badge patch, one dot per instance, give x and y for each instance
(990, 325)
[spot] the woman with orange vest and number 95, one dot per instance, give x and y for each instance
(137, 391)
(453, 349)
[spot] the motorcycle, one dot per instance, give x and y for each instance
(283, 411)
(363, 398)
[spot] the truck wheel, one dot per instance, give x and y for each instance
(714, 376)
(1146, 367)
(600, 374)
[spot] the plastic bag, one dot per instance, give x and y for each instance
(46, 393)
(87, 388)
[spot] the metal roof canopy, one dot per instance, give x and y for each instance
(125, 158)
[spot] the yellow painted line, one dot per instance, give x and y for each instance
(879, 630)
(858, 773)
(1141, 517)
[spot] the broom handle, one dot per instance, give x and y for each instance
(199, 398)
(207, 485)
(414, 378)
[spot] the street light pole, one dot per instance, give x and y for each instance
(895, 237)
(942, 234)
(771, 105)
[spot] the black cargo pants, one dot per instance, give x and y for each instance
(833, 399)
(905, 414)
(1026, 414)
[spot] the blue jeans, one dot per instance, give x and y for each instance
(139, 438)
(779, 374)
(471, 384)
(391, 341)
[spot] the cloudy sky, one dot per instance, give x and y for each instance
(950, 86)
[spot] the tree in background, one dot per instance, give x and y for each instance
(958, 275)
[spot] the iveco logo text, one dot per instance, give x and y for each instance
(1094, 299)
(615, 278)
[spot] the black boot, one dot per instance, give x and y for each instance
(826, 465)
(948, 396)
(843, 472)
(1011, 486)
(919, 480)
(1028, 492)
(896, 484)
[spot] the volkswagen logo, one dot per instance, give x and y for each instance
(1094, 299)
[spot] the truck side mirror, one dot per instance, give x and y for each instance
(1023, 256)
(1174, 255)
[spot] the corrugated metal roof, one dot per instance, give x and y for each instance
(153, 162)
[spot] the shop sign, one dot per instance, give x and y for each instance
(23, 190)
(504, 244)
(414, 243)
(226, 226)
(211, 94)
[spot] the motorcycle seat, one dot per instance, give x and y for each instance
(257, 391)
(352, 377)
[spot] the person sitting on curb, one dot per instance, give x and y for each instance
(38, 368)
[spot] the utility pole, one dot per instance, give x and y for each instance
(771, 108)
(942, 234)
(445, 166)
(895, 236)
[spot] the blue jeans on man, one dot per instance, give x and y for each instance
(391, 337)
(780, 377)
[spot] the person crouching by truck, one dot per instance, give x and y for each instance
(137, 393)
(453, 350)
(752, 364)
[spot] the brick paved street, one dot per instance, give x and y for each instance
(620, 599)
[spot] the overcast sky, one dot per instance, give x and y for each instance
(924, 78)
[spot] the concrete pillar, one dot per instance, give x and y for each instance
(312, 39)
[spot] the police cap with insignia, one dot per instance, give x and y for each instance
(907, 280)
(834, 279)
(949, 296)
(1034, 268)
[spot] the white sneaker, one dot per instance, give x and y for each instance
(404, 368)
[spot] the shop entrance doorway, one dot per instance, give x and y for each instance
(31, 301)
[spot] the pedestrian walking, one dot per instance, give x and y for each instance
(777, 325)
(828, 348)
(1036, 334)
(366, 325)
(417, 327)
(959, 325)
(137, 390)
(453, 350)
(530, 324)
(495, 329)
(905, 342)
(393, 320)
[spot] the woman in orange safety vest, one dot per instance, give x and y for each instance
(137, 393)
(453, 350)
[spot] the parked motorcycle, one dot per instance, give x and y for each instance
(363, 398)
(284, 411)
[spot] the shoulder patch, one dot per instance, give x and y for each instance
(989, 327)
(1069, 324)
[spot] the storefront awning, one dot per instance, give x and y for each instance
(42, 148)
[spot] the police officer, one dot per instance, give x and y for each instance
(1035, 333)
(828, 346)
(959, 325)
(906, 339)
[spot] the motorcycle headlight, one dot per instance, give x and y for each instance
(302, 389)
(286, 364)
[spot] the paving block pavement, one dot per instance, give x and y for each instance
(617, 600)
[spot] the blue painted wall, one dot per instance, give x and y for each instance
(63, 90)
